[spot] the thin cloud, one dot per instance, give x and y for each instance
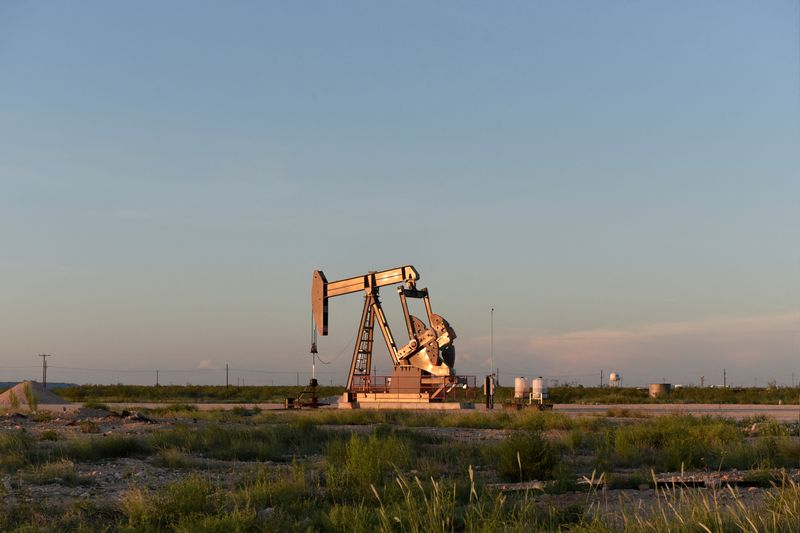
(765, 347)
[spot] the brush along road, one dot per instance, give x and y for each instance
(781, 413)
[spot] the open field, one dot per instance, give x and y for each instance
(178, 468)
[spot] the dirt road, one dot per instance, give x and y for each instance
(781, 413)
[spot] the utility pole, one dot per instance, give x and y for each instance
(156, 377)
(702, 381)
(491, 342)
(44, 357)
(226, 375)
(724, 378)
(601, 378)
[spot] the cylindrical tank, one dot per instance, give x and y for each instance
(521, 389)
(539, 388)
(659, 390)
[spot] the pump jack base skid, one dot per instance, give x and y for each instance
(383, 400)
(407, 388)
(518, 405)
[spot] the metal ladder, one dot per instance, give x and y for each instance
(365, 345)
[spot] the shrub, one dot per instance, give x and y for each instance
(41, 416)
(62, 472)
(174, 507)
(274, 443)
(16, 450)
(13, 461)
(674, 442)
(89, 449)
(523, 457)
(536, 420)
(358, 462)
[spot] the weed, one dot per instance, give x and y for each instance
(30, 397)
(62, 472)
(13, 400)
(355, 518)
(522, 457)
(358, 462)
(275, 443)
(50, 434)
(96, 404)
(244, 411)
(15, 441)
(622, 412)
(575, 439)
(670, 442)
(632, 480)
(41, 416)
(420, 508)
(173, 409)
(16, 449)
(95, 448)
(183, 502)
(89, 426)
(13, 461)
(173, 458)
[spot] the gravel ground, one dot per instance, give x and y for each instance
(107, 480)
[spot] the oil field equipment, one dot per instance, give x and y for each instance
(423, 368)
(534, 394)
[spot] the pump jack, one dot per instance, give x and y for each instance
(423, 368)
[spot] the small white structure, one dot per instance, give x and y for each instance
(538, 390)
(614, 379)
(521, 388)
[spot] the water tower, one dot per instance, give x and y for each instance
(614, 379)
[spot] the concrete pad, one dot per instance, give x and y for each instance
(430, 406)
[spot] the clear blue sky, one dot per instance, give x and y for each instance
(619, 180)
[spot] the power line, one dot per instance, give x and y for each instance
(174, 371)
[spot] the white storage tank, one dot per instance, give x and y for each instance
(539, 388)
(521, 389)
